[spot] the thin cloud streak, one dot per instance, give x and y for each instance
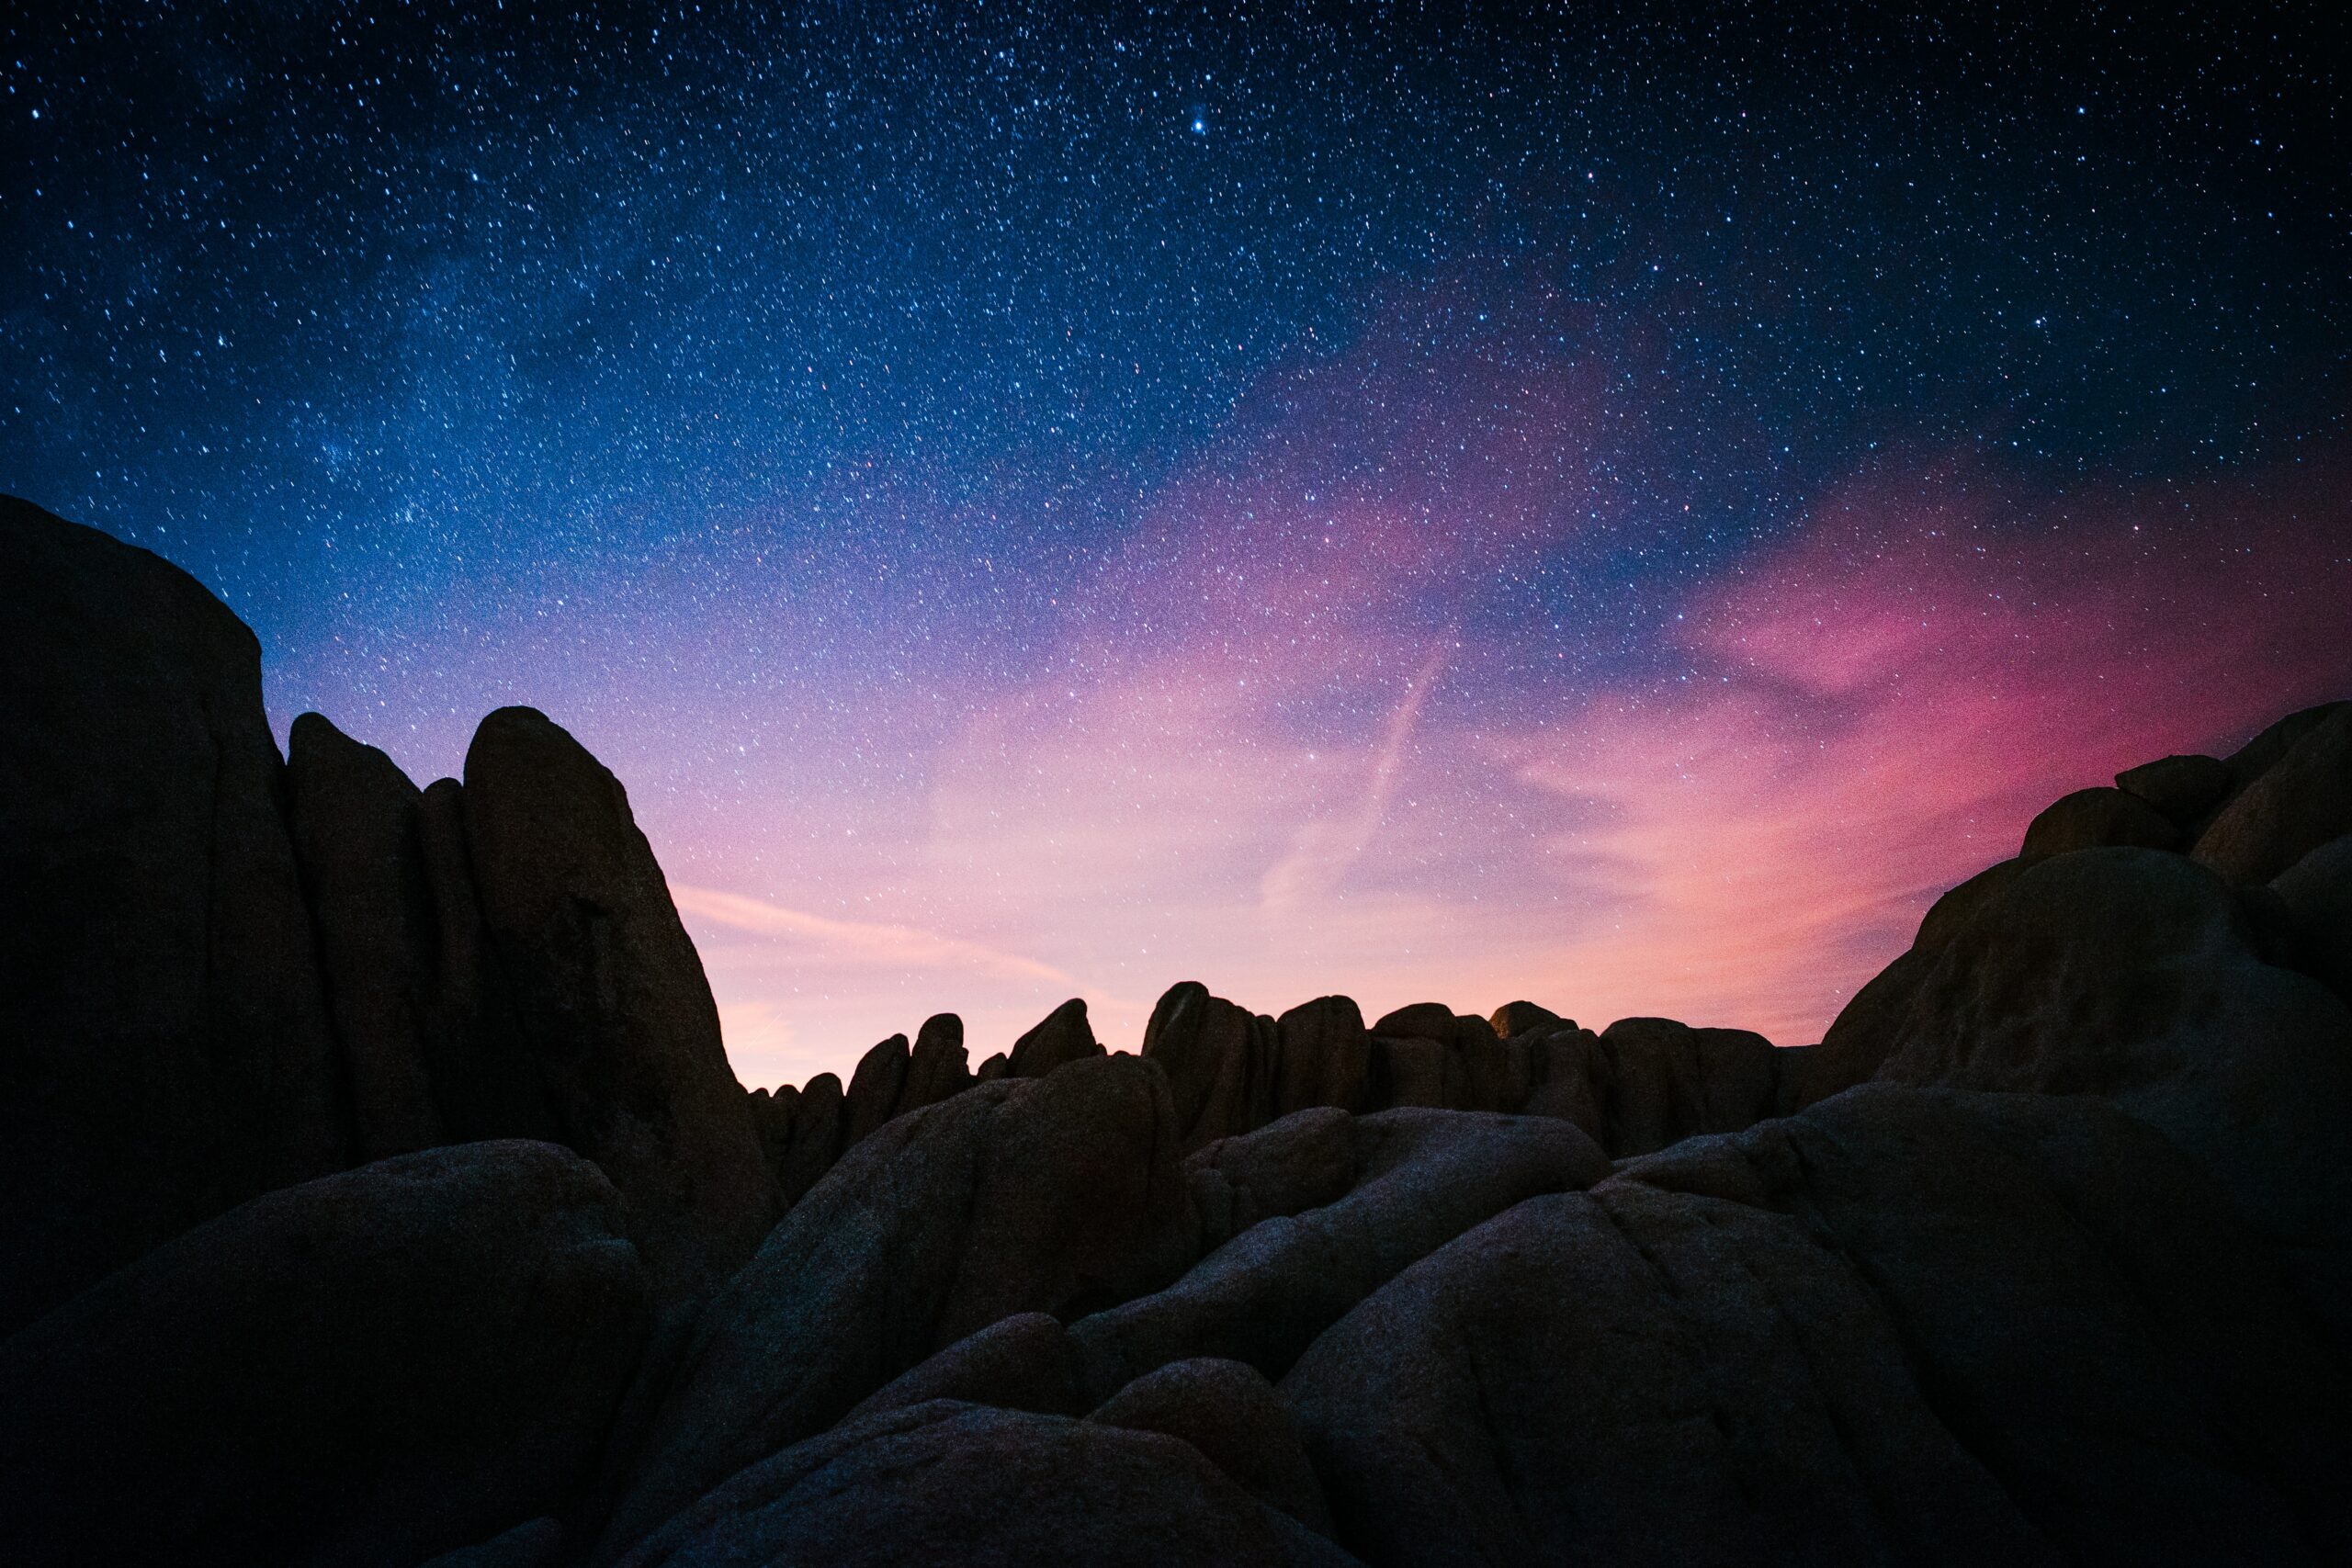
(861, 941)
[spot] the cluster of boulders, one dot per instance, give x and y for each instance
(373, 1190)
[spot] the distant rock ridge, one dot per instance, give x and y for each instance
(374, 1189)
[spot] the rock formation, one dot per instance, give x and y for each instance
(373, 1190)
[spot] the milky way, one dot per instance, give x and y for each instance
(1363, 500)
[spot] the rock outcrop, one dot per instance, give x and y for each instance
(2043, 1254)
(367, 1369)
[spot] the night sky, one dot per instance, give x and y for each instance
(1366, 498)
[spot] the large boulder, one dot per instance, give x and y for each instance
(1058, 1194)
(2317, 893)
(1667, 1081)
(872, 1097)
(1906, 1327)
(2186, 789)
(365, 1369)
(357, 822)
(1421, 1177)
(164, 1043)
(2089, 819)
(1063, 1036)
(2293, 807)
(1325, 1056)
(1231, 1414)
(948, 1482)
(1222, 1061)
(939, 1066)
(612, 998)
(2135, 975)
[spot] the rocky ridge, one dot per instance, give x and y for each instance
(374, 1189)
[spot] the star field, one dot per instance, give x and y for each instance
(1409, 499)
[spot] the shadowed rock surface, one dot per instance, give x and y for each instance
(365, 1369)
(2039, 1256)
(164, 1043)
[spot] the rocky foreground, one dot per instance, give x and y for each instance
(374, 1189)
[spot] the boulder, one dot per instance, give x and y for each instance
(612, 998)
(1324, 1057)
(1904, 1327)
(1422, 1178)
(1667, 1081)
(365, 1369)
(1221, 1061)
(2297, 804)
(938, 1067)
(1058, 1194)
(1026, 1362)
(874, 1089)
(816, 1138)
(949, 1482)
(1231, 1414)
(1296, 1162)
(1064, 1036)
(358, 837)
(2317, 893)
(2186, 789)
(1418, 1021)
(2254, 758)
(164, 1050)
(2133, 974)
(2089, 819)
(1514, 1018)
(1571, 1071)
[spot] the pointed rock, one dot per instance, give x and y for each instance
(939, 1066)
(816, 1120)
(874, 1089)
(354, 816)
(612, 998)
(1220, 1060)
(163, 1041)
(1064, 1036)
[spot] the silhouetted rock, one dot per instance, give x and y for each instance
(2185, 788)
(365, 1369)
(164, 1043)
(1514, 1018)
(612, 998)
(2089, 819)
(2130, 973)
(1229, 1412)
(1324, 1057)
(1904, 1327)
(1868, 1027)
(1052, 1194)
(1064, 1036)
(354, 816)
(2296, 805)
(1422, 1178)
(1417, 1021)
(816, 1138)
(1220, 1060)
(993, 1068)
(1026, 1362)
(948, 1482)
(2317, 891)
(2254, 758)
(939, 1066)
(1572, 1078)
(874, 1089)
(1668, 1081)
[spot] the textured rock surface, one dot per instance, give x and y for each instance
(2293, 808)
(1064, 1036)
(612, 998)
(1230, 1413)
(947, 1483)
(365, 1369)
(1049, 1195)
(1907, 1326)
(164, 1043)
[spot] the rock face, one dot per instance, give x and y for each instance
(2043, 1253)
(611, 998)
(365, 1369)
(1055, 1194)
(164, 1045)
(1811, 1343)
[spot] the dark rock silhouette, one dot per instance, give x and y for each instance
(166, 1050)
(611, 998)
(368, 1368)
(373, 1190)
